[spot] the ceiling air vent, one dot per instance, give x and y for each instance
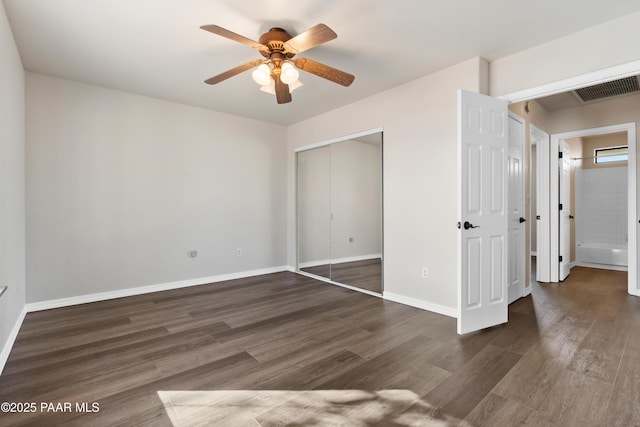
(608, 89)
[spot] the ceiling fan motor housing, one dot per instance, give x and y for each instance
(275, 39)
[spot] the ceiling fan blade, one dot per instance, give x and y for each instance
(282, 91)
(324, 71)
(215, 29)
(232, 72)
(313, 37)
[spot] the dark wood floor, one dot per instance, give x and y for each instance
(283, 350)
(366, 274)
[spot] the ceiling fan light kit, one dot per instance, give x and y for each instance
(278, 72)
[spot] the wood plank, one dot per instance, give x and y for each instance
(576, 400)
(457, 395)
(623, 409)
(598, 356)
(532, 379)
(402, 367)
(497, 411)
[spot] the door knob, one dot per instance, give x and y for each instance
(467, 225)
(522, 220)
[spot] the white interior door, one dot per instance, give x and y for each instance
(516, 209)
(543, 255)
(483, 211)
(564, 207)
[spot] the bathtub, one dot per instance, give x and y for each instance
(602, 255)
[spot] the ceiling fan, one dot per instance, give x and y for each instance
(277, 73)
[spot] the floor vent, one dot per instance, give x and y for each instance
(609, 89)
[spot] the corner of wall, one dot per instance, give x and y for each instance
(12, 188)
(11, 338)
(483, 76)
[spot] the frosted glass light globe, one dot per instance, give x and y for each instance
(262, 75)
(288, 74)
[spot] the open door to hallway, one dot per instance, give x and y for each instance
(482, 211)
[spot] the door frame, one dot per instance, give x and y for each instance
(563, 187)
(632, 214)
(588, 79)
(523, 246)
(543, 266)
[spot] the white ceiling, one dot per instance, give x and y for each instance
(156, 48)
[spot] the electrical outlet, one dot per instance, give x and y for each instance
(239, 252)
(350, 239)
(193, 253)
(425, 272)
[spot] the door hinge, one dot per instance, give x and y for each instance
(560, 206)
(537, 216)
(560, 155)
(560, 258)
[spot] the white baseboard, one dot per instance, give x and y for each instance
(11, 339)
(103, 296)
(339, 260)
(425, 305)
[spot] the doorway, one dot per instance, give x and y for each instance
(604, 234)
(604, 76)
(470, 288)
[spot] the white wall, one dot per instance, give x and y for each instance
(120, 187)
(420, 177)
(596, 48)
(12, 187)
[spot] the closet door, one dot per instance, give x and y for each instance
(339, 211)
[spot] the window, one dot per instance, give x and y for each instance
(611, 154)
